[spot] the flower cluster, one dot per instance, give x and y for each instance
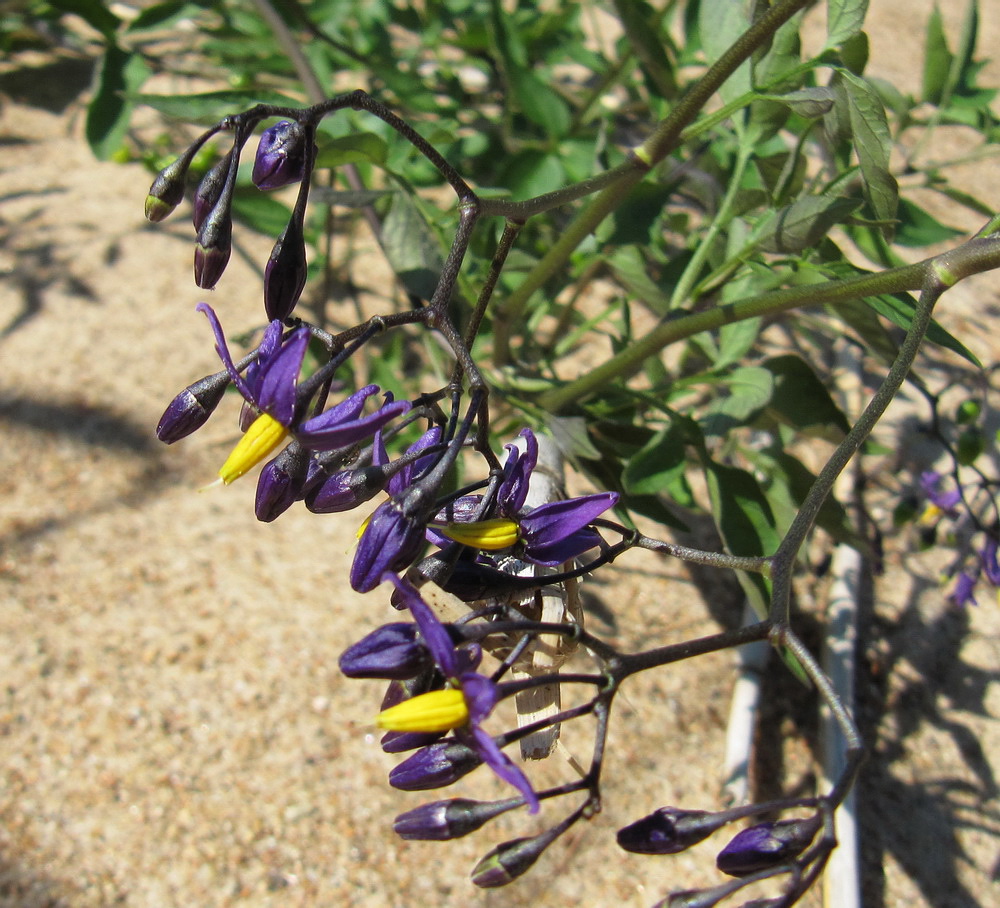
(483, 565)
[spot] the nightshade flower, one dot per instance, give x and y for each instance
(270, 389)
(463, 707)
(938, 501)
(550, 534)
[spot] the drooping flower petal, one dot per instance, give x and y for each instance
(502, 765)
(435, 634)
(517, 473)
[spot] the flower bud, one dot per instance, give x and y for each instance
(508, 861)
(281, 155)
(167, 190)
(435, 766)
(190, 409)
(209, 190)
(280, 483)
(452, 819)
(765, 845)
(669, 830)
(211, 253)
(346, 490)
(391, 652)
(285, 272)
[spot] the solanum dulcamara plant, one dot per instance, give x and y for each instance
(715, 214)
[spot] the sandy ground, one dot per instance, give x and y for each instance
(173, 727)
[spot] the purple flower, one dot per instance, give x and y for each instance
(478, 692)
(550, 534)
(930, 484)
(392, 652)
(964, 591)
(190, 409)
(988, 556)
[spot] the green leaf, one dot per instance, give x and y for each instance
(540, 102)
(898, 308)
(211, 106)
(261, 212)
(749, 390)
(745, 522)
(108, 113)
(811, 103)
(803, 223)
(800, 399)
(659, 467)
(873, 145)
(918, 228)
(93, 12)
(937, 59)
(412, 247)
(720, 25)
(359, 148)
(161, 14)
(844, 19)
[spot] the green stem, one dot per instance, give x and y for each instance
(722, 216)
(629, 361)
(666, 137)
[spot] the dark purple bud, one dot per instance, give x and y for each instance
(167, 190)
(280, 483)
(444, 820)
(669, 830)
(391, 652)
(281, 155)
(508, 861)
(190, 409)
(285, 272)
(766, 845)
(211, 253)
(346, 490)
(435, 766)
(209, 190)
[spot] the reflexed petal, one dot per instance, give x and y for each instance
(564, 550)
(402, 480)
(435, 634)
(480, 694)
(517, 473)
(341, 425)
(552, 522)
(223, 350)
(501, 764)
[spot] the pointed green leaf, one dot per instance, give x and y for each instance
(873, 145)
(844, 19)
(108, 113)
(937, 59)
(803, 223)
(802, 401)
